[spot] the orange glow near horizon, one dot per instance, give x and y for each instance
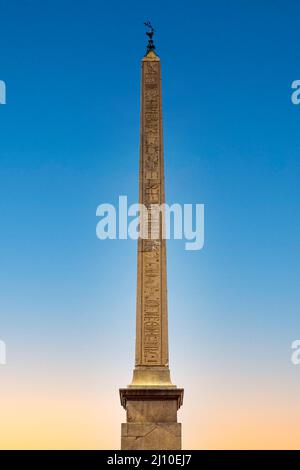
(42, 417)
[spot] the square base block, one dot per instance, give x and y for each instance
(151, 436)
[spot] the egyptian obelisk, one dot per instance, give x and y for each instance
(151, 400)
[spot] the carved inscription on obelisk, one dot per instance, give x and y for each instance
(152, 334)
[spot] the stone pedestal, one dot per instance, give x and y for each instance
(151, 418)
(151, 401)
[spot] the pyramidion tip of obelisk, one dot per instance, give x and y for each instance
(151, 55)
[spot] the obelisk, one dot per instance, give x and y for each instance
(151, 401)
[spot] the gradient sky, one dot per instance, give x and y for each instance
(69, 141)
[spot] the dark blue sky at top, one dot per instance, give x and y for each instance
(69, 138)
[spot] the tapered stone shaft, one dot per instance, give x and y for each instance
(152, 357)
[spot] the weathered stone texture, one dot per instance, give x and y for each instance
(151, 436)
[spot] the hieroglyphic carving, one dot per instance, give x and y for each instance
(151, 194)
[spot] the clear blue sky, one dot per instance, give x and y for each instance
(69, 140)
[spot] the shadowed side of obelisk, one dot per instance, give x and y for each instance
(151, 400)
